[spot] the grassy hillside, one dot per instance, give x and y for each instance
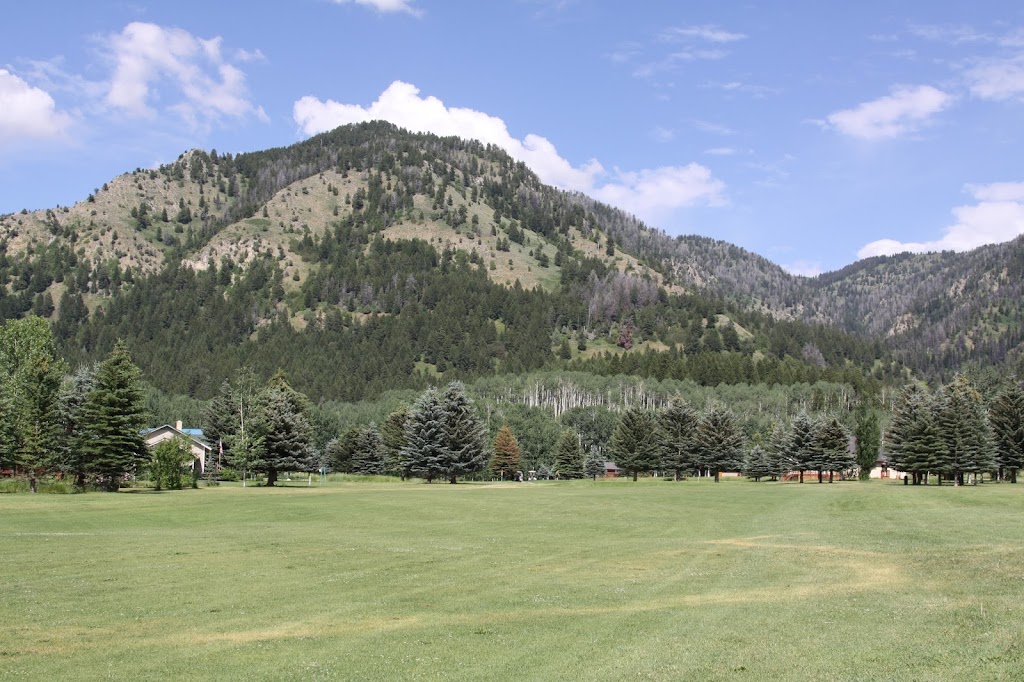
(601, 581)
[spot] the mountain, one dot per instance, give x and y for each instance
(370, 258)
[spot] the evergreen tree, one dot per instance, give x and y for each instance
(424, 454)
(757, 464)
(505, 460)
(30, 380)
(368, 452)
(1006, 416)
(869, 439)
(284, 429)
(800, 450)
(594, 465)
(392, 434)
(74, 392)
(569, 456)
(967, 444)
(832, 448)
(463, 434)
(718, 442)
(633, 445)
(912, 442)
(113, 417)
(675, 430)
(776, 450)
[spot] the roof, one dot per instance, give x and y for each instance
(196, 435)
(610, 465)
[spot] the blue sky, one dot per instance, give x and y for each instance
(812, 133)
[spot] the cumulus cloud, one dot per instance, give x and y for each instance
(651, 193)
(152, 61)
(903, 111)
(998, 216)
(385, 6)
(28, 112)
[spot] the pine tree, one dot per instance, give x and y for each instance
(633, 443)
(368, 451)
(463, 434)
(757, 464)
(285, 430)
(569, 456)
(800, 449)
(1006, 416)
(594, 465)
(718, 442)
(73, 394)
(424, 454)
(912, 442)
(832, 448)
(113, 417)
(392, 434)
(675, 431)
(505, 460)
(776, 451)
(964, 431)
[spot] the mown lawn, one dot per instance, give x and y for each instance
(605, 581)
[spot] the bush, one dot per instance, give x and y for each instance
(13, 485)
(56, 487)
(227, 474)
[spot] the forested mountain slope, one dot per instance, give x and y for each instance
(369, 258)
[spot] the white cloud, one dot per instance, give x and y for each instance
(721, 151)
(997, 79)
(706, 32)
(152, 61)
(651, 194)
(385, 6)
(998, 216)
(804, 268)
(28, 112)
(902, 111)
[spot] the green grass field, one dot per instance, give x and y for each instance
(605, 581)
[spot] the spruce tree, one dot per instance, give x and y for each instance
(633, 443)
(832, 448)
(424, 454)
(505, 460)
(757, 464)
(463, 435)
(776, 449)
(675, 431)
(800, 448)
(967, 444)
(285, 430)
(912, 443)
(569, 456)
(368, 452)
(1006, 416)
(392, 434)
(594, 465)
(113, 417)
(718, 442)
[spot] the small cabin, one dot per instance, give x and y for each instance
(611, 470)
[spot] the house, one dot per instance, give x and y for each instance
(611, 470)
(201, 450)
